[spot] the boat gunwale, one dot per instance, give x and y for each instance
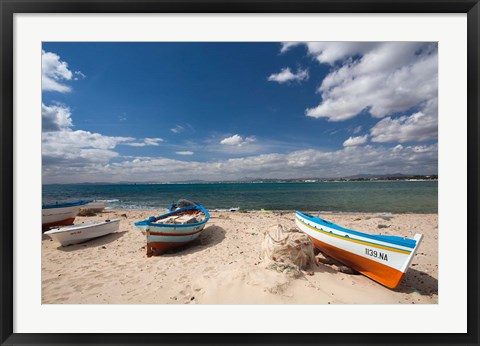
(151, 221)
(65, 205)
(79, 227)
(407, 242)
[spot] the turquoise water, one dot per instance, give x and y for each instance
(366, 196)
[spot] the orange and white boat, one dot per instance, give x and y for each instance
(383, 258)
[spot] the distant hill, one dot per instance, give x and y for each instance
(357, 177)
(370, 176)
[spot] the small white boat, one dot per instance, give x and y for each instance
(75, 234)
(60, 214)
(96, 206)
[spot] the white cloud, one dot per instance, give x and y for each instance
(397, 148)
(63, 147)
(177, 129)
(70, 152)
(56, 118)
(357, 129)
(330, 52)
(417, 127)
(184, 152)
(146, 142)
(237, 140)
(383, 78)
(153, 141)
(285, 75)
(301, 163)
(79, 75)
(81, 139)
(55, 72)
(136, 144)
(69, 149)
(287, 45)
(353, 141)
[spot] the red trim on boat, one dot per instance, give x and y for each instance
(66, 222)
(158, 248)
(174, 234)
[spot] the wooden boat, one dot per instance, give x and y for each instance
(383, 258)
(178, 227)
(181, 203)
(60, 214)
(96, 206)
(80, 233)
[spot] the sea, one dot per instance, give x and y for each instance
(331, 197)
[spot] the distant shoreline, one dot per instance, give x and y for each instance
(263, 181)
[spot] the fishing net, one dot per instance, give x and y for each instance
(86, 212)
(287, 250)
(184, 203)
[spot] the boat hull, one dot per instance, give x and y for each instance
(76, 234)
(162, 235)
(59, 216)
(159, 241)
(384, 259)
(96, 206)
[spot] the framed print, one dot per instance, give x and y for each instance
(239, 173)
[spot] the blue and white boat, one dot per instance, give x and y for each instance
(60, 214)
(175, 228)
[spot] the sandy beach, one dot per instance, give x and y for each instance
(223, 266)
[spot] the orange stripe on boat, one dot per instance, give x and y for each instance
(379, 272)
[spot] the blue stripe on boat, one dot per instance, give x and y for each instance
(385, 238)
(151, 220)
(65, 205)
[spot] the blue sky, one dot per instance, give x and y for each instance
(213, 111)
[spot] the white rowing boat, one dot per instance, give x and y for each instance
(80, 233)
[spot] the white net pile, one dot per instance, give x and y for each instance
(287, 250)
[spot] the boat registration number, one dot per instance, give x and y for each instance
(376, 254)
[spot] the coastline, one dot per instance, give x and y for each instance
(223, 267)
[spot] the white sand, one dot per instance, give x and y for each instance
(221, 266)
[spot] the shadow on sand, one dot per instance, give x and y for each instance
(420, 282)
(210, 236)
(413, 281)
(96, 242)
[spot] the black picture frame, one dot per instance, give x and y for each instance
(10, 7)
